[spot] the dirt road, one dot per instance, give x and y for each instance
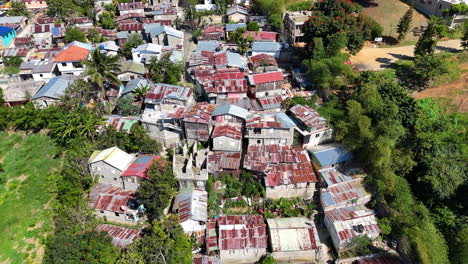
(376, 59)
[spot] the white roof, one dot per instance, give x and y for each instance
(112, 156)
(148, 48)
(293, 234)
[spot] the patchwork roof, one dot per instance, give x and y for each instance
(130, 6)
(56, 87)
(329, 154)
(129, 15)
(109, 198)
(42, 28)
(293, 234)
(353, 221)
(140, 166)
(22, 52)
(47, 20)
(192, 204)
(335, 176)
(211, 29)
(247, 103)
(161, 91)
(281, 164)
(206, 260)
(261, 35)
(269, 120)
(220, 161)
(228, 82)
(23, 40)
(309, 117)
(345, 193)
(199, 113)
(270, 102)
(230, 109)
(133, 26)
(241, 232)
(122, 123)
(113, 156)
(208, 45)
(45, 54)
(227, 130)
(265, 77)
(154, 31)
(121, 236)
(74, 51)
(263, 59)
(211, 238)
(229, 59)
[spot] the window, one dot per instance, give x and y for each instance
(317, 135)
(259, 141)
(102, 176)
(64, 64)
(117, 214)
(257, 130)
(115, 179)
(41, 75)
(102, 211)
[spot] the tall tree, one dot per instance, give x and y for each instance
(464, 38)
(164, 70)
(102, 70)
(18, 9)
(426, 43)
(404, 25)
(63, 9)
(74, 33)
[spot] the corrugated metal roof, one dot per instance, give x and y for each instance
(263, 59)
(199, 113)
(237, 9)
(206, 260)
(109, 198)
(241, 232)
(344, 193)
(211, 237)
(154, 31)
(293, 234)
(214, 29)
(134, 26)
(131, 66)
(192, 204)
(229, 109)
(309, 117)
(233, 27)
(332, 154)
(162, 91)
(208, 45)
(266, 47)
(132, 84)
(130, 6)
(269, 120)
(56, 87)
(227, 82)
(121, 236)
(227, 130)
(148, 48)
(261, 35)
(265, 77)
(220, 161)
(334, 176)
(11, 52)
(122, 123)
(385, 258)
(270, 102)
(113, 156)
(140, 166)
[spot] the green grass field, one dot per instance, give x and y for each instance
(25, 195)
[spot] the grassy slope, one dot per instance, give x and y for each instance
(25, 191)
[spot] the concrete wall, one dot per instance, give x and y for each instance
(165, 136)
(305, 190)
(269, 93)
(112, 217)
(241, 255)
(131, 182)
(69, 68)
(44, 40)
(237, 17)
(271, 136)
(43, 102)
(167, 40)
(106, 173)
(432, 7)
(227, 144)
(191, 130)
(319, 137)
(46, 76)
(191, 183)
(303, 256)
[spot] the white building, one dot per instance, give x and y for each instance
(145, 52)
(312, 127)
(70, 57)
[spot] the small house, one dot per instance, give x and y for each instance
(330, 156)
(224, 162)
(263, 63)
(260, 36)
(192, 207)
(197, 122)
(165, 36)
(133, 7)
(214, 32)
(130, 70)
(133, 84)
(269, 128)
(190, 167)
(115, 204)
(107, 165)
(312, 127)
(271, 103)
(294, 239)
(121, 236)
(39, 71)
(331, 176)
(229, 114)
(227, 137)
(344, 224)
(265, 84)
(43, 34)
(225, 84)
(137, 172)
(53, 91)
(287, 171)
(145, 52)
(271, 48)
(237, 13)
(344, 194)
(70, 57)
(109, 47)
(129, 27)
(7, 34)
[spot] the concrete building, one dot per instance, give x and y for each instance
(344, 194)
(269, 128)
(330, 156)
(270, 48)
(287, 171)
(435, 7)
(294, 239)
(227, 138)
(346, 223)
(192, 207)
(312, 127)
(53, 91)
(107, 165)
(164, 35)
(293, 24)
(115, 204)
(128, 8)
(70, 57)
(265, 84)
(130, 70)
(145, 52)
(137, 172)
(197, 122)
(190, 167)
(121, 236)
(39, 71)
(237, 13)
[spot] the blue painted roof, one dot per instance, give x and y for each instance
(233, 27)
(56, 31)
(266, 46)
(56, 87)
(5, 30)
(231, 110)
(335, 154)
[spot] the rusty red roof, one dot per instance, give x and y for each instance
(270, 102)
(160, 92)
(309, 117)
(163, 22)
(47, 20)
(129, 15)
(380, 259)
(109, 198)
(214, 29)
(281, 164)
(265, 78)
(211, 239)
(80, 20)
(261, 35)
(220, 161)
(133, 26)
(227, 130)
(23, 40)
(241, 232)
(263, 59)
(228, 82)
(269, 120)
(22, 52)
(130, 6)
(121, 236)
(343, 193)
(140, 166)
(192, 205)
(46, 27)
(199, 113)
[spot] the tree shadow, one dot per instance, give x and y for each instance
(400, 57)
(389, 40)
(366, 3)
(385, 62)
(447, 49)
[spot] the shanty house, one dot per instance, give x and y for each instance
(192, 207)
(269, 128)
(128, 8)
(122, 123)
(190, 167)
(165, 36)
(270, 48)
(137, 172)
(109, 164)
(39, 71)
(294, 239)
(43, 33)
(224, 162)
(130, 70)
(53, 91)
(145, 52)
(265, 84)
(263, 63)
(344, 224)
(70, 57)
(312, 127)
(227, 137)
(115, 204)
(261, 35)
(214, 32)
(330, 155)
(121, 236)
(237, 13)
(229, 113)
(197, 122)
(344, 194)
(287, 171)
(331, 176)
(242, 238)
(225, 84)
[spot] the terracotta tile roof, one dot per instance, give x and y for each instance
(75, 51)
(241, 232)
(140, 166)
(309, 117)
(227, 130)
(109, 198)
(282, 165)
(265, 77)
(220, 161)
(199, 113)
(121, 236)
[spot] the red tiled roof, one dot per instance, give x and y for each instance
(242, 232)
(282, 165)
(261, 35)
(109, 198)
(227, 130)
(309, 117)
(266, 77)
(72, 53)
(121, 236)
(219, 161)
(140, 166)
(199, 113)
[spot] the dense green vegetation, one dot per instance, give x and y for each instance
(26, 190)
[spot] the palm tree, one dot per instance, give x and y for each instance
(141, 91)
(102, 70)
